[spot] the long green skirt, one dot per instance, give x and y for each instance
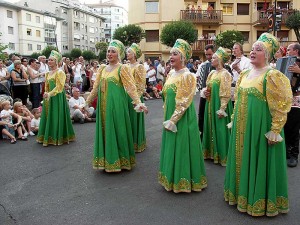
(181, 160)
(138, 127)
(55, 125)
(256, 177)
(216, 135)
(113, 150)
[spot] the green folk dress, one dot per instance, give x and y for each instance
(181, 160)
(137, 119)
(216, 135)
(113, 148)
(256, 178)
(55, 125)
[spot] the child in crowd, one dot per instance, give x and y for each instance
(35, 121)
(7, 126)
(26, 115)
(159, 87)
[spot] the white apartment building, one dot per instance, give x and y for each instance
(116, 16)
(81, 26)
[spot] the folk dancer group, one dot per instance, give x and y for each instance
(248, 139)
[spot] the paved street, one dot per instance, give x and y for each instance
(57, 186)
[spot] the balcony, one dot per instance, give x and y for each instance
(211, 17)
(199, 45)
(261, 19)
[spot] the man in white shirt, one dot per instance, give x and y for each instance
(152, 75)
(77, 111)
(240, 63)
(44, 68)
(79, 70)
(161, 71)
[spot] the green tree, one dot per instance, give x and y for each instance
(35, 55)
(227, 39)
(67, 55)
(88, 55)
(3, 55)
(75, 53)
(47, 50)
(293, 22)
(178, 29)
(129, 34)
(102, 48)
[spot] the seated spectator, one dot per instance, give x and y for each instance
(77, 110)
(159, 87)
(35, 121)
(152, 91)
(26, 116)
(7, 127)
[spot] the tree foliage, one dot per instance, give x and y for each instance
(47, 50)
(129, 34)
(101, 46)
(3, 55)
(67, 55)
(75, 53)
(88, 55)
(178, 29)
(227, 38)
(293, 22)
(35, 55)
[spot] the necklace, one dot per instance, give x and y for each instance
(110, 68)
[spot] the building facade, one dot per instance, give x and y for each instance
(248, 16)
(116, 16)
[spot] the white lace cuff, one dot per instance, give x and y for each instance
(169, 125)
(141, 107)
(202, 95)
(229, 125)
(273, 136)
(222, 112)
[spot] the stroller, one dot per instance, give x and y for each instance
(5, 94)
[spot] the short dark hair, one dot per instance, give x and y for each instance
(209, 47)
(296, 46)
(23, 59)
(31, 61)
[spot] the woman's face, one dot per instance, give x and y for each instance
(1, 64)
(278, 54)
(18, 66)
(52, 62)
(112, 55)
(215, 61)
(95, 64)
(130, 55)
(175, 59)
(258, 56)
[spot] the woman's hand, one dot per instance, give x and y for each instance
(272, 142)
(46, 95)
(207, 92)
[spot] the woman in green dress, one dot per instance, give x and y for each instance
(181, 160)
(137, 119)
(218, 107)
(114, 150)
(256, 177)
(55, 125)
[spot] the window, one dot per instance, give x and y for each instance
(151, 6)
(76, 14)
(152, 35)
(65, 47)
(28, 17)
(91, 19)
(11, 46)
(76, 26)
(246, 35)
(92, 40)
(10, 30)
(29, 32)
(76, 37)
(92, 30)
(227, 9)
(38, 33)
(283, 35)
(92, 49)
(82, 26)
(118, 25)
(37, 19)
(242, 9)
(64, 11)
(9, 14)
(76, 46)
(29, 47)
(38, 47)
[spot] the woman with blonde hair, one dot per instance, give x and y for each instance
(218, 109)
(181, 159)
(55, 124)
(113, 149)
(137, 119)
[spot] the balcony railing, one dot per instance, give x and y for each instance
(202, 16)
(199, 45)
(262, 16)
